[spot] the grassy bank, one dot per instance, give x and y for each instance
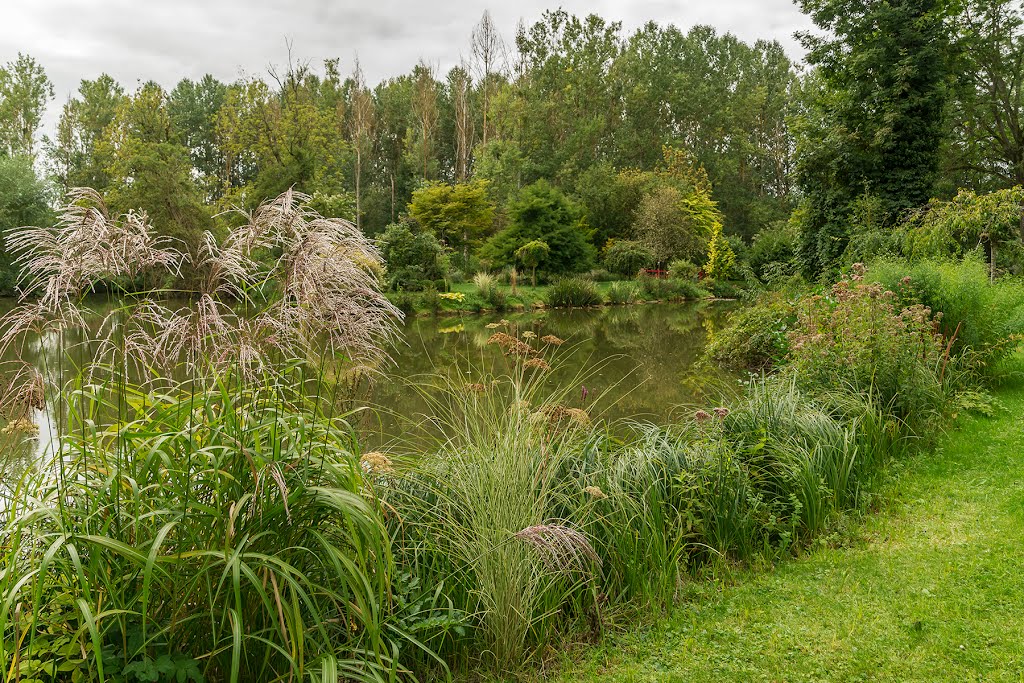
(927, 590)
(467, 297)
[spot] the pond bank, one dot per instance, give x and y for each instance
(927, 589)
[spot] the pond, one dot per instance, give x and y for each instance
(637, 362)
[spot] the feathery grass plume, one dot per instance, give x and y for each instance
(491, 479)
(561, 548)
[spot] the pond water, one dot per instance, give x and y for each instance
(635, 362)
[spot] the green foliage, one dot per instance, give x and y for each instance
(772, 255)
(24, 91)
(573, 292)
(873, 116)
(150, 170)
(673, 225)
(666, 289)
(721, 258)
(858, 337)
(24, 200)
(531, 255)
(681, 269)
(541, 212)
(620, 293)
(460, 215)
(755, 337)
(955, 227)
(413, 257)
(627, 257)
(977, 316)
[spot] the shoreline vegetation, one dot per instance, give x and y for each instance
(186, 497)
(468, 298)
(905, 591)
(227, 525)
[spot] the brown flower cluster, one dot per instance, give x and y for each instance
(510, 345)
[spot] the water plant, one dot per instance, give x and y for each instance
(573, 292)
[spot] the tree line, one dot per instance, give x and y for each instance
(575, 134)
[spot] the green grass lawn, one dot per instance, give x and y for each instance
(931, 588)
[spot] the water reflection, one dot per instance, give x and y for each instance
(638, 362)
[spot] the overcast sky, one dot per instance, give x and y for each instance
(166, 40)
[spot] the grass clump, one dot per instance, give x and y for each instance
(573, 292)
(622, 293)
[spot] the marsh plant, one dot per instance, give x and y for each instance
(486, 512)
(211, 526)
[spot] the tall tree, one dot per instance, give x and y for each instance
(876, 122)
(988, 98)
(193, 107)
(24, 200)
(460, 86)
(150, 169)
(74, 156)
(488, 51)
(24, 92)
(425, 106)
(361, 123)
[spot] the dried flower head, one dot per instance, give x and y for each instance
(21, 425)
(537, 364)
(561, 548)
(510, 345)
(552, 340)
(376, 462)
(721, 412)
(595, 492)
(529, 334)
(702, 416)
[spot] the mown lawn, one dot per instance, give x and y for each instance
(929, 589)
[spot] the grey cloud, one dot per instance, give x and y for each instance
(140, 40)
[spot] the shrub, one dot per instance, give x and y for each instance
(668, 289)
(754, 338)
(723, 289)
(622, 293)
(413, 257)
(984, 317)
(573, 292)
(857, 337)
(543, 213)
(681, 269)
(497, 299)
(773, 252)
(602, 275)
(626, 257)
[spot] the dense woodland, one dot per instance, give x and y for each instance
(610, 149)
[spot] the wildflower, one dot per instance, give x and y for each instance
(905, 281)
(492, 326)
(552, 340)
(702, 416)
(376, 462)
(476, 388)
(537, 364)
(721, 412)
(452, 296)
(529, 334)
(595, 492)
